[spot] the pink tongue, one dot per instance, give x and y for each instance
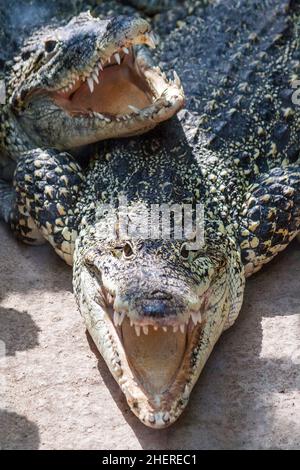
(156, 357)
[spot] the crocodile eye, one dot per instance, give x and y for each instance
(127, 250)
(50, 45)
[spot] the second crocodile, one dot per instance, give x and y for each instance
(75, 84)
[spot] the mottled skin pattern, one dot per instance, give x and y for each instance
(235, 149)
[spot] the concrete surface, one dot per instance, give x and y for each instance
(56, 392)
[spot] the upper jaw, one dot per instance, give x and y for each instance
(66, 66)
(175, 319)
(107, 52)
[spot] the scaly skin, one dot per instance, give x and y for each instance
(234, 149)
(152, 7)
(78, 83)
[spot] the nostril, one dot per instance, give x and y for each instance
(158, 294)
(50, 45)
(155, 308)
(127, 250)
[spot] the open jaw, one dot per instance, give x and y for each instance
(155, 362)
(120, 94)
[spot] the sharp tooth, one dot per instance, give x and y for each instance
(151, 40)
(95, 78)
(195, 318)
(116, 318)
(117, 57)
(175, 329)
(134, 109)
(154, 37)
(90, 84)
(186, 393)
(121, 318)
(125, 50)
(100, 116)
(145, 329)
(147, 113)
(176, 79)
(155, 327)
(182, 327)
(131, 322)
(108, 60)
(100, 66)
(137, 330)
(165, 329)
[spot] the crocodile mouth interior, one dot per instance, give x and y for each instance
(121, 86)
(155, 357)
(156, 351)
(111, 91)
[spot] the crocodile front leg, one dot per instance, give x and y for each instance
(42, 203)
(271, 217)
(17, 216)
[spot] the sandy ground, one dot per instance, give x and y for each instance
(56, 392)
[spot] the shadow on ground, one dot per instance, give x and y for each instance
(18, 331)
(16, 432)
(26, 268)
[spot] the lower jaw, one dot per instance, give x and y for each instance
(90, 136)
(77, 131)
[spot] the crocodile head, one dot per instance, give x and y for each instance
(155, 310)
(91, 80)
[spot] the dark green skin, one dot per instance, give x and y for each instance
(235, 148)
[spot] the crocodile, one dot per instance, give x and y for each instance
(154, 302)
(73, 84)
